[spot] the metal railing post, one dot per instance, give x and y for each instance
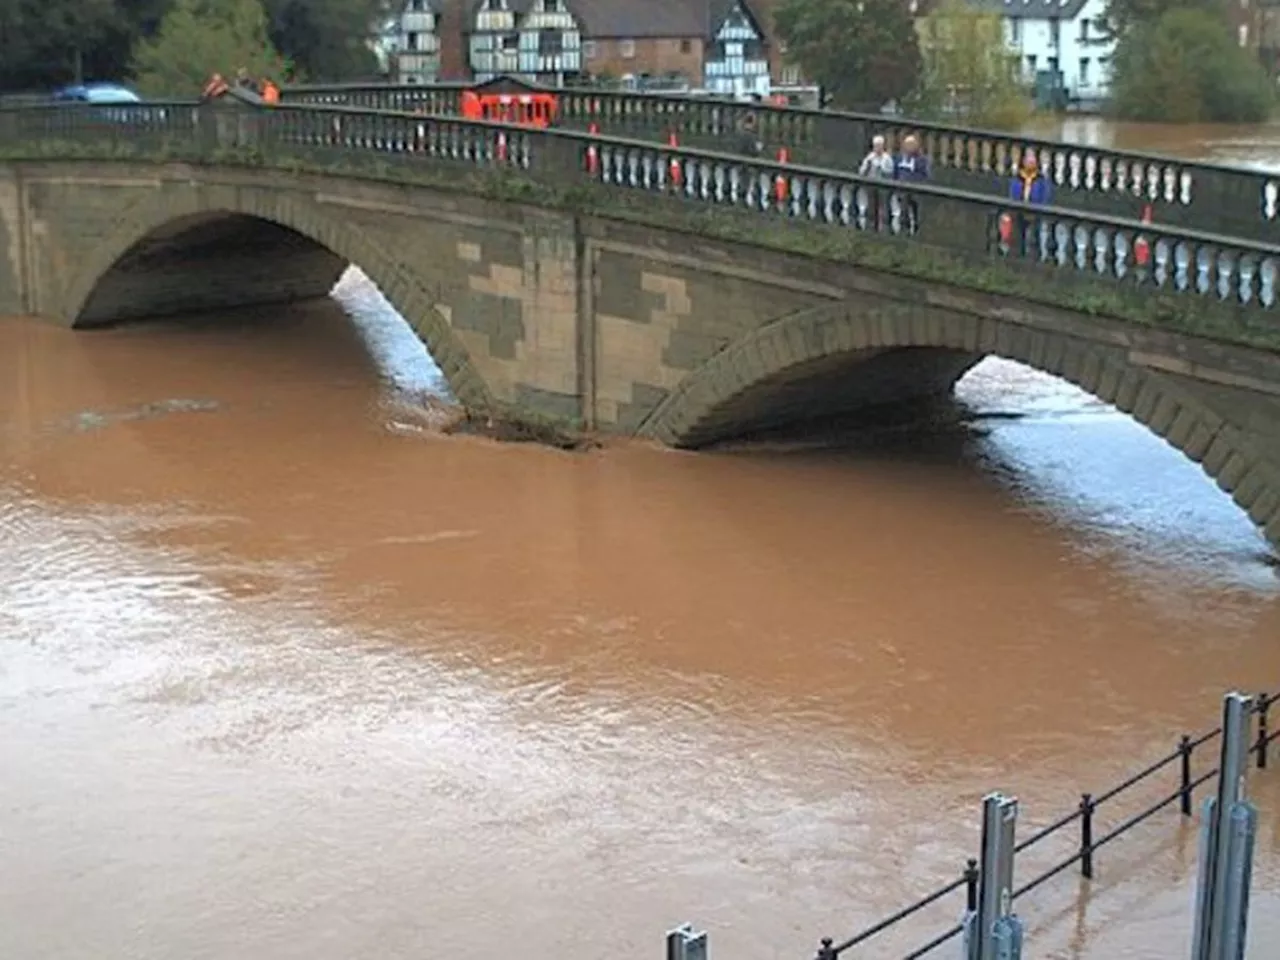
(1264, 704)
(971, 876)
(1086, 835)
(1184, 749)
(827, 951)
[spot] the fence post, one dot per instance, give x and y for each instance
(1264, 704)
(1086, 835)
(1184, 749)
(971, 885)
(826, 951)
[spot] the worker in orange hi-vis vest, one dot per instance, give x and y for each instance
(215, 88)
(270, 93)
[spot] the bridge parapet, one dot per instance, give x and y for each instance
(1120, 183)
(1155, 274)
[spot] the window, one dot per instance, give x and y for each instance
(1084, 30)
(1244, 34)
(626, 49)
(686, 45)
(550, 43)
(1055, 32)
(1053, 64)
(551, 6)
(510, 43)
(1084, 71)
(791, 75)
(589, 49)
(1015, 30)
(1031, 63)
(417, 6)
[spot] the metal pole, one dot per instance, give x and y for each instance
(684, 943)
(993, 931)
(1228, 825)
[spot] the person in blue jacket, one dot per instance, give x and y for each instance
(1029, 184)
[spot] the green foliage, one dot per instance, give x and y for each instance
(200, 37)
(51, 38)
(970, 77)
(1185, 67)
(328, 39)
(1125, 16)
(44, 43)
(863, 53)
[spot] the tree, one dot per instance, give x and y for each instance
(329, 39)
(863, 53)
(970, 76)
(197, 38)
(1124, 16)
(1185, 67)
(46, 42)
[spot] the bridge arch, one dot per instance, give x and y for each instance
(844, 336)
(310, 221)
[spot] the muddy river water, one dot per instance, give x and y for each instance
(286, 674)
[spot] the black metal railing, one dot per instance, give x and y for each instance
(1122, 183)
(1084, 815)
(1075, 253)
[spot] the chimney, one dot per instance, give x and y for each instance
(453, 40)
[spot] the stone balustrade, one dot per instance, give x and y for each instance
(1091, 252)
(1119, 183)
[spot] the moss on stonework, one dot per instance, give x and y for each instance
(1079, 291)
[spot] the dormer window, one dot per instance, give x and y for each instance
(493, 6)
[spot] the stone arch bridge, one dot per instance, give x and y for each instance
(690, 330)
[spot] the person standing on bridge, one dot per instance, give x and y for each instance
(910, 166)
(1030, 185)
(878, 164)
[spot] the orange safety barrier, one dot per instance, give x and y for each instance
(1141, 251)
(593, 152)
(780, 182)
(1006, 229)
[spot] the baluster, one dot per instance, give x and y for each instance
(1121, 247)
(1181, 267)
(1166, 256)
(1226, 273)
(1270, 196)
(1081, 247)
(1204, 266)
(1267, 282)
(1248, 272)
(1101, 251)
(1062, 245)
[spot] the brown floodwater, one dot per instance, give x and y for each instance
(1252, 146)
(286, 674)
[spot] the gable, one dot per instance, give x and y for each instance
(733, 20)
